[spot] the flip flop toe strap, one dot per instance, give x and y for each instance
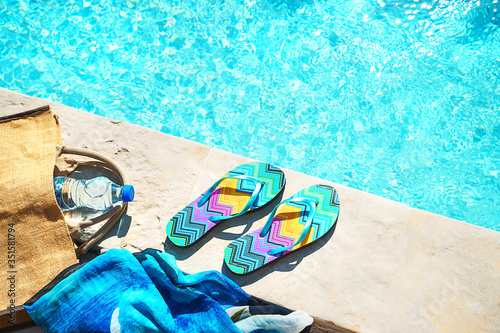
(251, 200)
(310, 203)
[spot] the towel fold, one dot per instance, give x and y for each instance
(146, 292)
(269, 318)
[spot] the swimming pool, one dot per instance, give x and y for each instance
(397, 98)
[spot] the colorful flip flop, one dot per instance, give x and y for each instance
(245, 188)
(305, 217)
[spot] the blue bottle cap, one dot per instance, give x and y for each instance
(128, 193)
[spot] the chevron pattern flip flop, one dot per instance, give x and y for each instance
(305, 217)
(245, 188)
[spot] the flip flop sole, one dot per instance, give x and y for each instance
(250, 252)
(192, 222)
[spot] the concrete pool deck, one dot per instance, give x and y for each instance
(386, 267)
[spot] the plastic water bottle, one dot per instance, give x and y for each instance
(98, 193)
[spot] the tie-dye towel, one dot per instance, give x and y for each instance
(146, 292)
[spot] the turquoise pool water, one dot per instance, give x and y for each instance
(397, 98)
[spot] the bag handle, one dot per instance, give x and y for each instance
(66, 165)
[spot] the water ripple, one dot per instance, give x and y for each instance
(400, 99)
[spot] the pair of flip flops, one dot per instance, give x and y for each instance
(294, 223)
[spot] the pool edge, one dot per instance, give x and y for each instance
(387, 266)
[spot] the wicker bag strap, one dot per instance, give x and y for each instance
(66, 165)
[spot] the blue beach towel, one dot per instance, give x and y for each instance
(146, 292)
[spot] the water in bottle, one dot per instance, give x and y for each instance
(98, 193)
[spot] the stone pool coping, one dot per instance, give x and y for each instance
(387, 267)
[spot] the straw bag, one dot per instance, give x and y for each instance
(36, 241)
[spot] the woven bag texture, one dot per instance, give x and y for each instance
(35, 244)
